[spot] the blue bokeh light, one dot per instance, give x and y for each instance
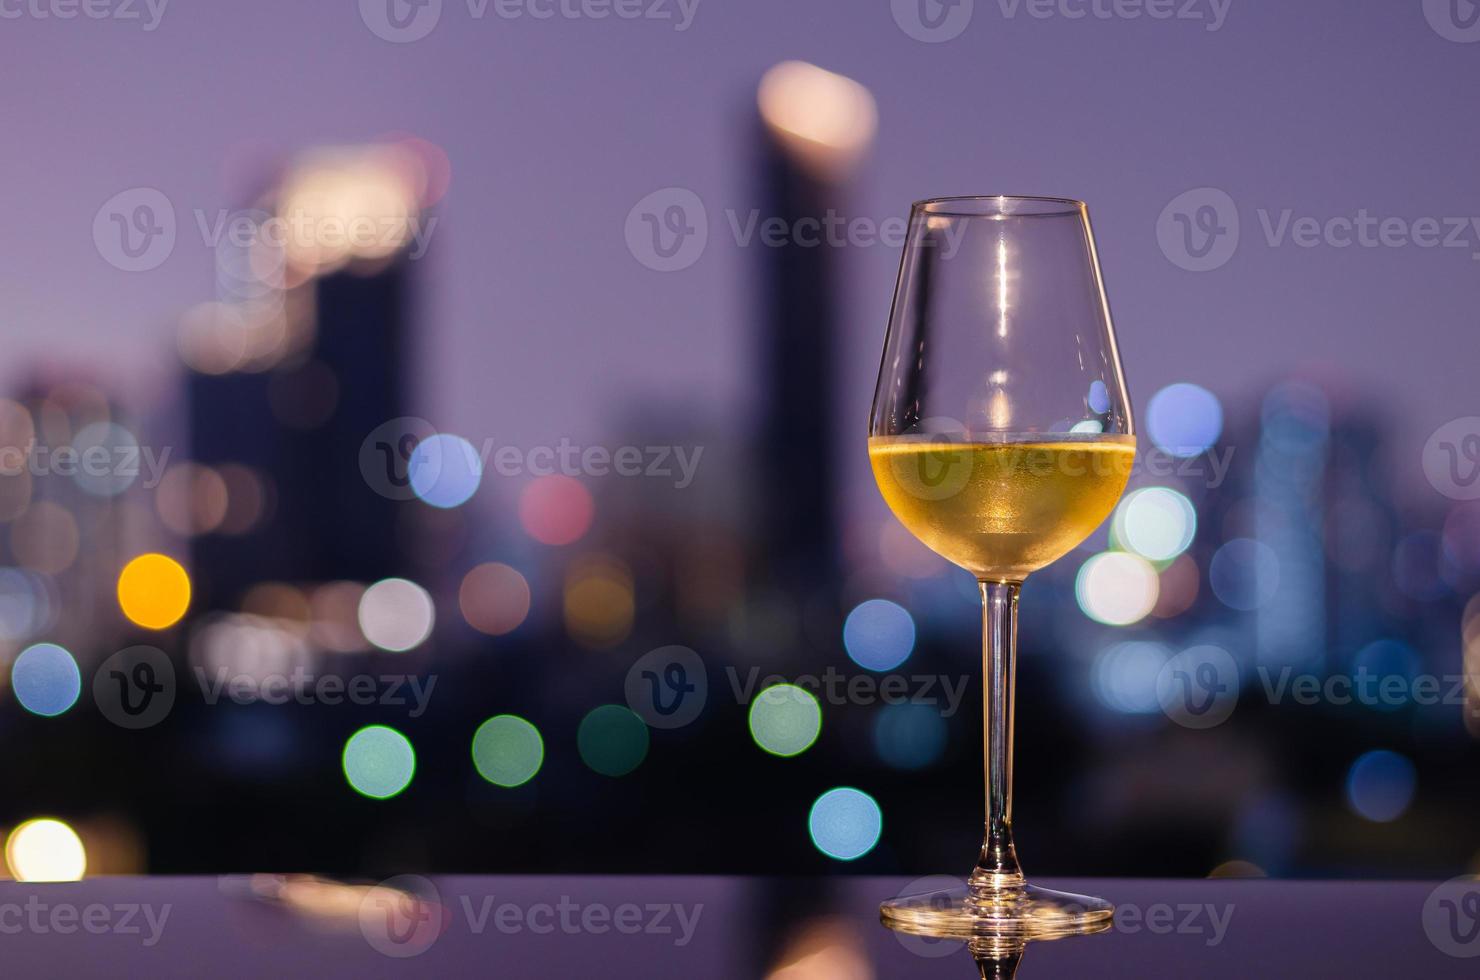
(1184, 419)
(909, 735)
(1380, 785)
(45, 679)
(1380, 660)
(845, 823)
(1099, 397)
(445, 470)
(1244, 574)
(108, 457)
(1124, 676)
(879, 635)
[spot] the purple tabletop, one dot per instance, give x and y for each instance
(653, 927)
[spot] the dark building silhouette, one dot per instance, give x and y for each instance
(304, 424)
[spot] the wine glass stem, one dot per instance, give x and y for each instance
(997, 868)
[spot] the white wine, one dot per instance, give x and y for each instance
(1002, 509)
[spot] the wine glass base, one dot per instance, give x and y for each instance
(983, 917)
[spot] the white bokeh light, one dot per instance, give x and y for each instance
(396, 614)
(45, 850)
(1157, 523)
(1117, 588)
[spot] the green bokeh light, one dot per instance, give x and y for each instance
(379, 762)
(507, 750)
(612, 740)
(785, 719)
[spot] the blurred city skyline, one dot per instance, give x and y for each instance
(1288, 312)
(532, 304)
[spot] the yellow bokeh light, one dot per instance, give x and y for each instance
(598, 601)
(45, 850)
(153, 591)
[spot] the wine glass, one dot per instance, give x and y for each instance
(1001, 437)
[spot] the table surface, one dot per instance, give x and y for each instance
(710, 927)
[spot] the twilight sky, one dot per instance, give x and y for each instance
(539, 323)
